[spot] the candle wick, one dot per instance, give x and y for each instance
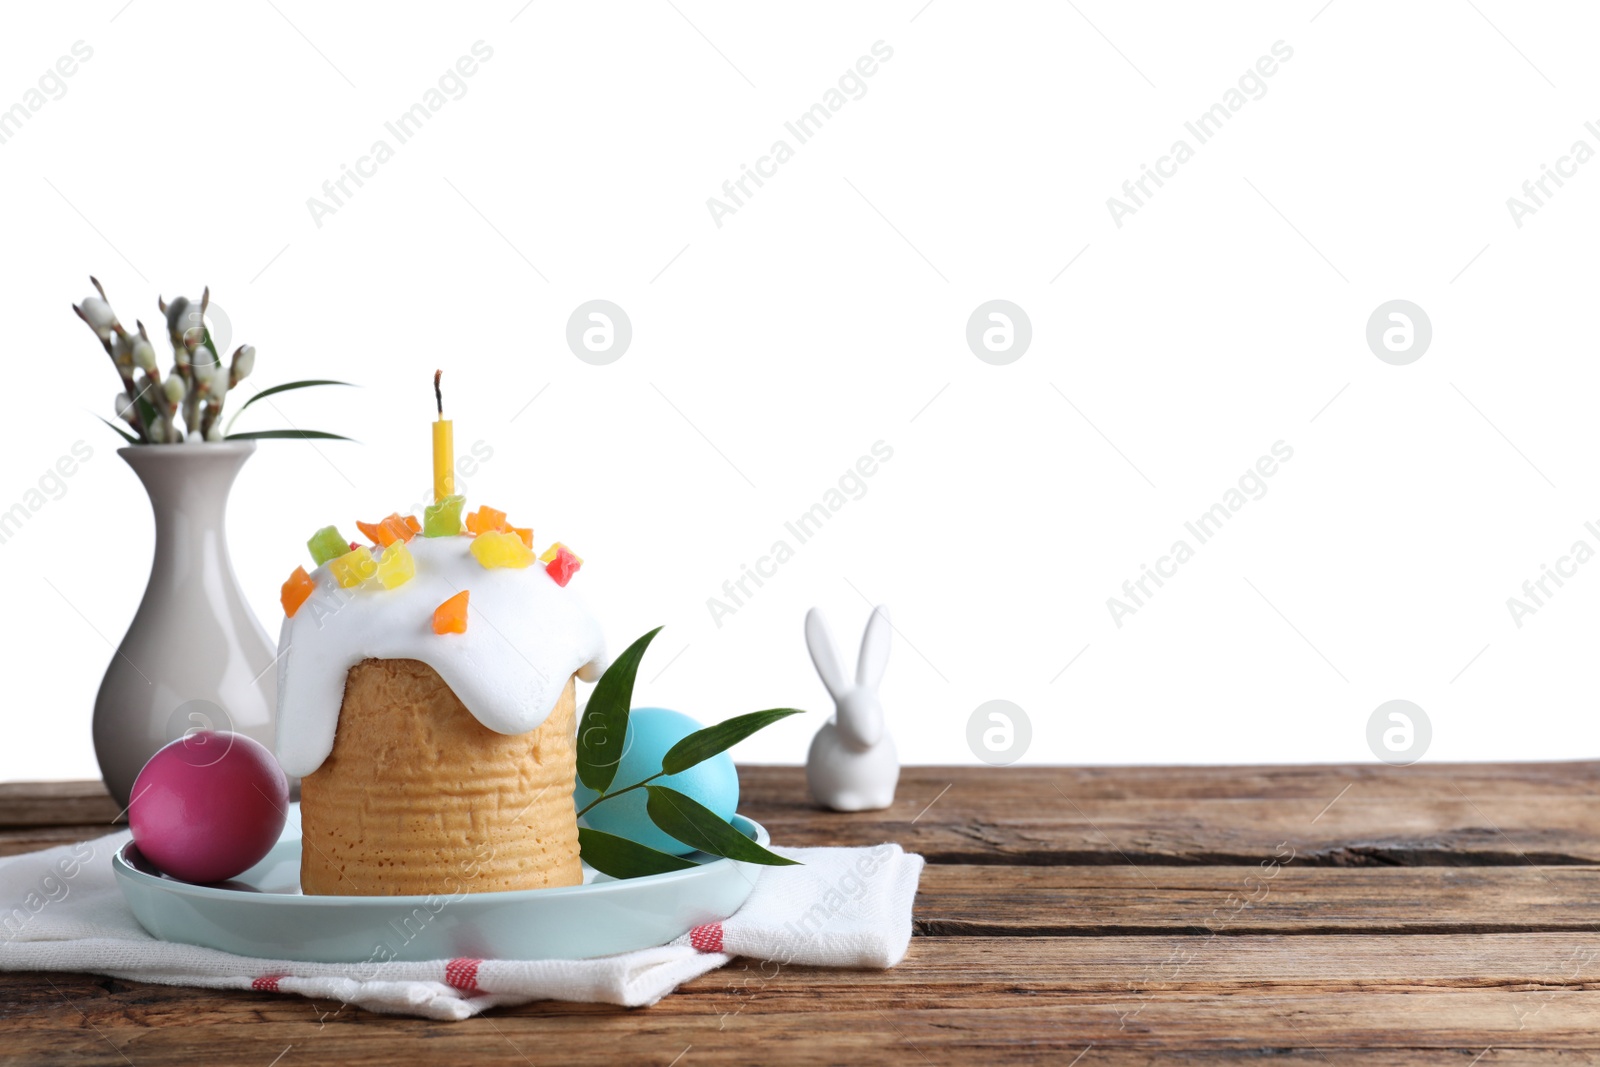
(438, 397)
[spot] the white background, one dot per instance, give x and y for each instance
(829, 313)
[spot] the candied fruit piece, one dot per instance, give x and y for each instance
(486, 520)
(443, 519)
(327, 543)
(396, 566)
(524, 532)
(353, 568)
(394, 529)
(296, 590)
(411, 523)
(498, 548)
(451, 616)
(564, 566)
(387, 531)
(550, 553)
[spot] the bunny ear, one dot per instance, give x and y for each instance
(824, 656)
(874, 649)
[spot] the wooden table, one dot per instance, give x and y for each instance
(1432, 914)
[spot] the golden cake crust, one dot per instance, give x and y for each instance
(418, 797)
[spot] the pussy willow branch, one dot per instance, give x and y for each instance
(128, 385)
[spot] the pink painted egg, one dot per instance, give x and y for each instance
(208, 806)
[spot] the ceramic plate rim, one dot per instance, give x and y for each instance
(125, 869)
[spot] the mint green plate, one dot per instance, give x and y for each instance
(262, 913)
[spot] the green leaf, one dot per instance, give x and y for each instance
(694, 824)
(621, 858)
(703, 744)
(126, 436)
(604, 728)
(286, 386)
(261, 435)
(147, 412)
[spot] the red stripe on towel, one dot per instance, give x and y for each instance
(463, 975)
(707, 938)
(267, 983)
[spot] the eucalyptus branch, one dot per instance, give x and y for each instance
(619, 792)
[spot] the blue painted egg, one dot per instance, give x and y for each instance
(651, 732)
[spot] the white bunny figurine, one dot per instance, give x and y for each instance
(853, 765)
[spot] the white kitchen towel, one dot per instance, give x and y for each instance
(61, 910)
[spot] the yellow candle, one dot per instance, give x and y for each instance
(444, 460)
(444, 449)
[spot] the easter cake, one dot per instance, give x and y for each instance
(426, 700)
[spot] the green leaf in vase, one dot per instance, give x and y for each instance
(284, 388)
(126, 436)
(147, 411)
(262, 435)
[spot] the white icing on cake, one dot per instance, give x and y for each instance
(525, 637)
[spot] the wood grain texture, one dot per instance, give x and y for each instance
(34, 804)
(1101, 901)
(953, 1000)
(1426, 915)
(1437, 814)
(31, 840)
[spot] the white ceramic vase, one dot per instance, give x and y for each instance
(195, 656)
